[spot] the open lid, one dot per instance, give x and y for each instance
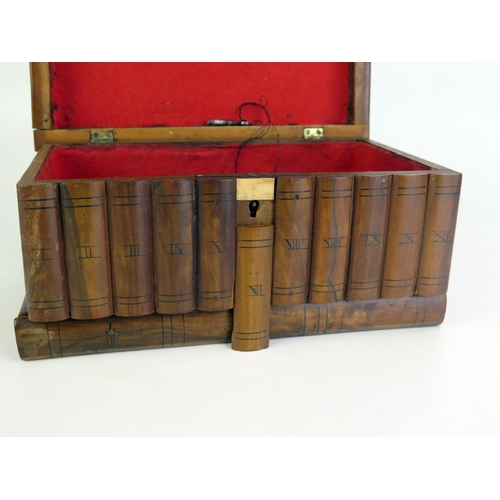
(158, 102)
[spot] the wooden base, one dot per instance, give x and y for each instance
(75, 337)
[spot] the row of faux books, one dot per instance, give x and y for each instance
(131, 248)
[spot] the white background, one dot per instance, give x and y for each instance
(440, 381)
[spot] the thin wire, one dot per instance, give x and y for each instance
(258, 134)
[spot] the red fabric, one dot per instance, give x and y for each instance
(155, 160)
(102, 95)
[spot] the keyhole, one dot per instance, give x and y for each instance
(253, 206)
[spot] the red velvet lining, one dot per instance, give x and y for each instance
(159, 160)
(101, 95)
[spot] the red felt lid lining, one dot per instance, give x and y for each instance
(115, 95)
(159, 160)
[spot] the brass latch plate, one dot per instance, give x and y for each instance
(313, 133)
(101, 136)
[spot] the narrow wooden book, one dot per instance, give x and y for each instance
(71, 338)
(404, 235)
(217, 243)
(331, 237)
(439, 233)
(371, 204)
(85, 224)
(292, 239)
(174, 245)
(43, 252)
(129, 214)
(252, 296)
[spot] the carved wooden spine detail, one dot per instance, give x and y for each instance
(292, 239)
(404, 235)
(252, 306)
(85, 228)
(129, 211)
(331, 238)
(174, 245)
(43, 251)
(439, 233)
(371, 204)
(216, 243)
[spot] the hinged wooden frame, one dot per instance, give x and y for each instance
(358, 126)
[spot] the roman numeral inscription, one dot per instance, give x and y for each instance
(297, 243)
(176, 248)
(256, 291)
(133, 251)
(443, 236)
(335, 242)
(371, 240)
(88, 252)
(218, 246)
(407, 238)
(42, 254)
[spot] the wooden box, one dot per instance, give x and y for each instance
(187, 203)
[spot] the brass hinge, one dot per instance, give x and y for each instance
(313, 133)
(101, 136)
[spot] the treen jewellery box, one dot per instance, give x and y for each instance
(176, 204)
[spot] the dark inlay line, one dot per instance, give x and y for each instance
(335, 190)
(434, 278)
(322, 291)
(39, 199)
(257, 338)
(85, 197)
(174, 202)
(218, 201)
(217, 291)
(290, 293)
(45, 308)
(373, 195)
(129, 204)
(412, 194)
(83, 300)
(132, 297)
(261, 246)
(218, 193)
(132, 303)
(335, 197)
(95, 305)
(182, 194)
(216, 298)
(131, 196)
(414, 187)
(374, 189)
(38, 208)
(265, 239)
(173, 294)
(447, 194)
(335, 284)
(403, 279)
(172, 301)
(363, 288)
(44, 301)
(363, 282)
(296, 199)
(398, 286)
(434, 284)
(251, 333)
(82, 206)
(288, 287)
(450, 186)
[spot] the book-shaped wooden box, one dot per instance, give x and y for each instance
(176, 204)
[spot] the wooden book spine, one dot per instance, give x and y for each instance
(330, 238)
(439, 233)
(292, 239)
(174, 245)
(252, 295)
(71, 338)
(216, 243)
(129, 215)
(404, 235)
(371, 204)
(43, 252)
(85, 229)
